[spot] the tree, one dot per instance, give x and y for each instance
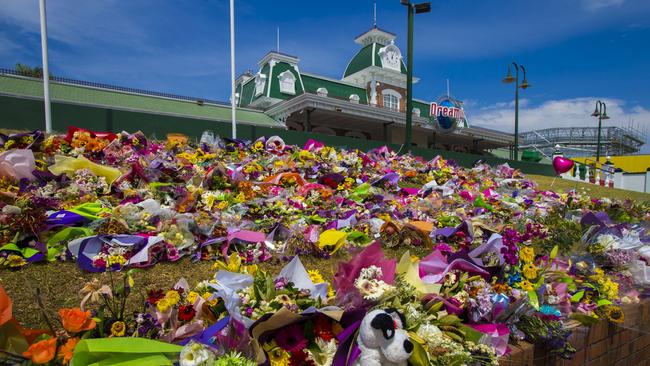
(34, 72)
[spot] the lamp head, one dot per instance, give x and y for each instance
(509, 78)
(604, 116)
(524, 84)
(596, 112)
(422, 8)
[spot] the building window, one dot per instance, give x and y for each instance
(321, 92)
(354, 98)
(260, 83)
(391, 102)
(287, 83)
(391, 99)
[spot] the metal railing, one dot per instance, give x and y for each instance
(117, 88)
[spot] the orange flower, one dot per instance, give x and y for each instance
(66, 351)
(5, 307)
(42, 351)
(75, 320)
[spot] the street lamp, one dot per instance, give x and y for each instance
(523, 85)
(412, 9)
(601, 113)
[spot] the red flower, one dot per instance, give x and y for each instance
(154, 295)
(99, 263)
(186, 313)
(323, 328)
(299, 359)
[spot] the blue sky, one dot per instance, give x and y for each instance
(575, 51)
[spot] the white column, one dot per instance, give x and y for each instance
(46, 69)
(618, 179)
(232, 69)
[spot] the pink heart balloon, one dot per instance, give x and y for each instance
(562, 165)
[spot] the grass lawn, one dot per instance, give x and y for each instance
(593, 190)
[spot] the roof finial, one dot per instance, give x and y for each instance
(278, 40)
(374, 14)
(448, 96)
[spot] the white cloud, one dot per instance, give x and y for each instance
(601, 4)
(574, 112)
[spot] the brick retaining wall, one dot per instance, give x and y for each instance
(600, 345)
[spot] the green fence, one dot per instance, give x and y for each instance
(27, 114)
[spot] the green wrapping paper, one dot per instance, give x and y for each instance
(57, 242)
(90, 210)
(124, 352)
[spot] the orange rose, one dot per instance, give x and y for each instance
(42, 351)
(75, 321)
(66, 351)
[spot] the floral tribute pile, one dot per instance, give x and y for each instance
(504, 261)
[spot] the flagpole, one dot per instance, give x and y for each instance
(46, 71)
(232, 68)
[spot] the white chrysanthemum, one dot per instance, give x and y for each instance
(428, 332)
(372, 272)
(608, 241)
(195, 354)
(325, 354)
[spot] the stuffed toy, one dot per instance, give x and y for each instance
(383, 340)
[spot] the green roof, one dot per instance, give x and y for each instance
(335, 89)
(63, 92)
(364, 58)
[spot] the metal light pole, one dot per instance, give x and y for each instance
(524, 84)
(601, 113)
(46, 69)
(232, 69)
(411, 10)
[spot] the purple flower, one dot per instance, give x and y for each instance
(280, 283)
(291, 338)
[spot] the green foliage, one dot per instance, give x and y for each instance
(24, 70)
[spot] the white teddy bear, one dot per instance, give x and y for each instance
(383, 340)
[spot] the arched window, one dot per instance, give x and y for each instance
(287, 83)
(391, 99)
(322, 92)
(354, 98)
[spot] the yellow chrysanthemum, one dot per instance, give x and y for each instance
(192, 296)
(115, 259)
(527, 254)
(526, 285)
(530, 271)
(163, 305)
(277, 356)
(173, 297)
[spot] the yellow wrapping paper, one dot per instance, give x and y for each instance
(411, 273)
(332, 240)
(68, 165)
